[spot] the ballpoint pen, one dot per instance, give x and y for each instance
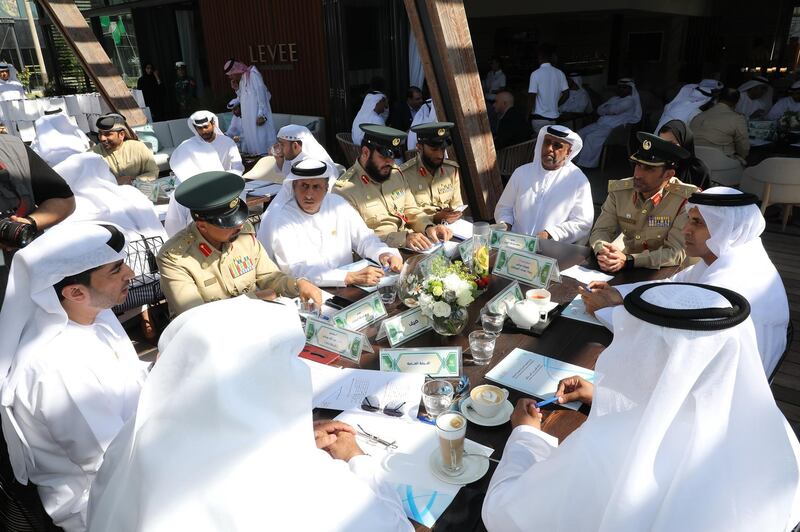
(547, 402)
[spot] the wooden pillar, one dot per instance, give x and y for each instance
(445, 47)
(96, 63)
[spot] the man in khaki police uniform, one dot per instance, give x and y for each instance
(376, 188)
(432, 178)
(217, 256)
(648, 209)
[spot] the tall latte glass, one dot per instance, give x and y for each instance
(452, 428)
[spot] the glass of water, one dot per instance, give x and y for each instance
(388, 293)
(492, 321)
(437, 396)
(481, 345)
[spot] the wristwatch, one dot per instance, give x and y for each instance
(628, 262)
(33, 223)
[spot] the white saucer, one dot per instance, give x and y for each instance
(473, 468)
(502, 417)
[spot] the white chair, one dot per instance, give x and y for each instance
(723, 170)
(777, 182)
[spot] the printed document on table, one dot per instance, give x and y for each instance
(536, 374)
(407, 467)
(346, 388)
(389, 278)
(585, 275)
(461, 228)
(576, 310)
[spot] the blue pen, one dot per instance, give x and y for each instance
(587, 288)
(547, 402)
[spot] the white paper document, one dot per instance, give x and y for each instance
(388, 279)
(461, 228)
(408, 467)
(536, 374)
(346, 388)
(576, 310)
(585, 275)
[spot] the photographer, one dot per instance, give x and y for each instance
(33, 197)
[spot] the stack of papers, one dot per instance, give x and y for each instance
(585, 275)
(424, 496)
(536, 374)
(461, 228)
(576, 310)
(388, 279)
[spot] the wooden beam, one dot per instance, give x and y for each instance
(96, 63)
(445, 46)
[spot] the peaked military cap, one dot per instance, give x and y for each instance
(213, 197)
(436, 134)
(388, 141)
(655, 151)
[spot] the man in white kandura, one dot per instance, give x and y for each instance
(550, 197)
(723, 231)
(683, 433)
(371, 112)
(57, 138)
(74, 376)
(205, 127)
(624, 108)
(258, 125)
(578, 100)
(214, 447)
(298, 143)
(789, 103)
(10, 87)
(314, 233)
(755, 98)
(425, 115)
(235, 127)
(691, 100)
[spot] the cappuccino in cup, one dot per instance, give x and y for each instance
(452, 428)
(487, 400)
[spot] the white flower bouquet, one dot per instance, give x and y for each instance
(445, 293)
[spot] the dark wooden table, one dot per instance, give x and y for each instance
(565, 339)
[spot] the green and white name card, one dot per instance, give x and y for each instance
(433, 361)
(404, 326)
(527, 268)
(465, 249)
(361, 313)
(506, 298)
(514, 241)
(345, 343)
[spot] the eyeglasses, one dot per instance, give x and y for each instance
(373, 404)
(376, 440)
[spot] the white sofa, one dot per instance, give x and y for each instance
(164, 137)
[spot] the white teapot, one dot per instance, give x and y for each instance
(524, 314)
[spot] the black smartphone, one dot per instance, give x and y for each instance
(338, 302)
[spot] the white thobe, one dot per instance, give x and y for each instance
(782, 106)
(228, 153)
(760, 284)
(315, 246)
(73, 399)
(747, 106)
(255, 101)
(615, 112)
(524, 448)
(578, 101)
(559, 203)
(547, 82)
(235, 127)
(11, 90)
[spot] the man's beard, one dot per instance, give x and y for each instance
(374, 172)
(430, 164)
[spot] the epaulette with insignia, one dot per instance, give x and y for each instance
(178, 244)
(408, 164)
(345, 177)
(620, 184)
(451, 162)
(683, 190)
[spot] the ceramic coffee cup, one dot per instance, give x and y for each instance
(487, 399)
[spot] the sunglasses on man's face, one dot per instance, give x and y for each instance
(372, 404)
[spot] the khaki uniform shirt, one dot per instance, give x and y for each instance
(194, 272)
(651, 227)
(723, 128)
(132, 159)
(433, 191)
(387, 208)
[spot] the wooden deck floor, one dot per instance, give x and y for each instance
(784, 250)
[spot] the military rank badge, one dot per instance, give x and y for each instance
(240, 266)
(658, 221)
